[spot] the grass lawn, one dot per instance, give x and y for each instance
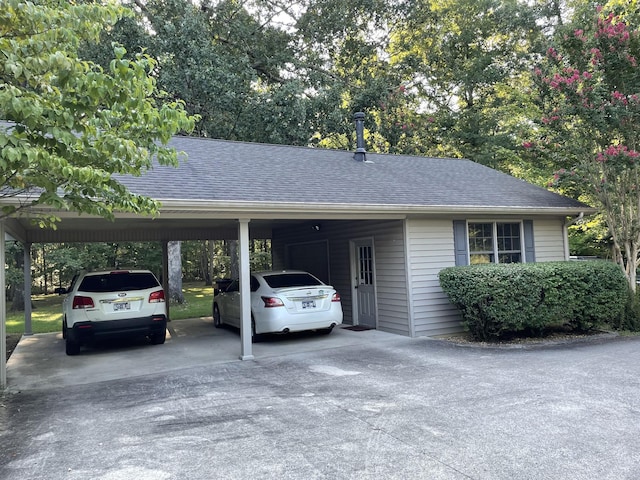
(46, 315)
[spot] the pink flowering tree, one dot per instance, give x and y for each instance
(589, 86)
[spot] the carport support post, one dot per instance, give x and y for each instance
(3, 312)
(27, 288)
(245, 291)
(165, 273)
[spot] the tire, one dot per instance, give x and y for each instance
(217, 320)
(158, 338)
(326, 331)
(72, 347)
(255, 338)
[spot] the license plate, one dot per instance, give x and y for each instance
(309, 304)
(121, 306)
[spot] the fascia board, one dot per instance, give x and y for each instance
(251, 209)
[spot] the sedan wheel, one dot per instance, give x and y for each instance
(255, 338)
(326, 331)
(217, 321)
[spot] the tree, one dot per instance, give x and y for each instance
(228, 61)
(590, 88)
(73, 125)
(175, 272)
(468, 61)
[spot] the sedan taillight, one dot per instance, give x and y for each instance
(270, 302)
(80, 302)
(336, 297)
(157, 297)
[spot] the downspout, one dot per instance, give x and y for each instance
(565, 232)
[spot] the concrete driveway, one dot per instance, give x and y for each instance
(351, 405)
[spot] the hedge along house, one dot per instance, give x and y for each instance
(377, 227)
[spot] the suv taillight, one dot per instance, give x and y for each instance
(270, 302)
(157, 297)
(82, 302)
(336, 297)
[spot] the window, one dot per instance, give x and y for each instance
(286, 280)
(118, 281)
(494, 242)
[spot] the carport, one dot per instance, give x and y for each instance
(177, 221)
(223, 191)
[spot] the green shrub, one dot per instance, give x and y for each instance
(496, 300)
(630, 320)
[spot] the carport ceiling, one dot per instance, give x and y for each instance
(141, 229)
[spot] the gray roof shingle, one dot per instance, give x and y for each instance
(218, 170)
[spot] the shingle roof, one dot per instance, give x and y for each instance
(219, 171)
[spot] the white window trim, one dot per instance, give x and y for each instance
(494, 233)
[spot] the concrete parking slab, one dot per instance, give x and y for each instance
(388, 407)
(39, 361)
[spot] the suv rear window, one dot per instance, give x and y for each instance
(118, 281)
(283, 280)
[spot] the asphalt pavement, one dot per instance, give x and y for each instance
(350, 405)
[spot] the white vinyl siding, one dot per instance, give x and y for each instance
(390, 275)
(430, 246)
(550, 239)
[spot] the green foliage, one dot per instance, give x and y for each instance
(630, 321)
(589, 88)
(496, 300)
(46, 316)
(75, 124)
(232, 68)
(590, 238)
(54, 265)
(467, 59)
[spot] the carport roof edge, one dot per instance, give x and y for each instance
(226, 180)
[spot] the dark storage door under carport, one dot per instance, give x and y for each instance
(312, 257)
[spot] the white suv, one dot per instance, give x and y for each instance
(113, 304)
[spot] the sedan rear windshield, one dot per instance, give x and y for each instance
(283, 280)
(115, 282)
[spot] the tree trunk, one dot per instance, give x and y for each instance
(206, 262)
(17, 290)
(17, 305)
(175, 272)
(233, 257)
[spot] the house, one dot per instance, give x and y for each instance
(377, 227)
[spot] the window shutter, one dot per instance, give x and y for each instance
(529, 244)
(460, 242)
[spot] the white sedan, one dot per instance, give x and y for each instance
(281, 302)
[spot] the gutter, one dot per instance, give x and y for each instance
(272, 208)
(222, 209)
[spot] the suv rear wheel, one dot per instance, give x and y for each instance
(72, 346)
(158, 338)
(217, 321)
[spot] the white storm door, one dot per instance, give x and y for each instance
(364, 288)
